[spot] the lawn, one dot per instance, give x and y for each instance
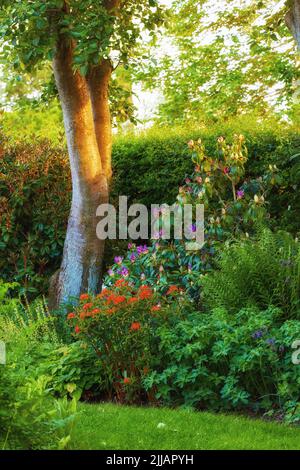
(107, 426)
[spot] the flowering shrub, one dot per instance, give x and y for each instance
(232, 206)
(120, 325)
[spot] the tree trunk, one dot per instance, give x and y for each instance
(293, 21)
(98, 82)
(83, 251)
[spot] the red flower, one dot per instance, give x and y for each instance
(135, 326)
(84, 297)
(127, 380)
(71, 315)
(77, 329)
(87, 306)
(133, 300)
(121, 282)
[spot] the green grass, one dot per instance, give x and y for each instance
(114, 427)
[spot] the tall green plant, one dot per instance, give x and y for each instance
(257, 272)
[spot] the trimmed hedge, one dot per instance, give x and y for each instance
(35, 189)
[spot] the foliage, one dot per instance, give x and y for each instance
(30, 418)
(260, 272)
(226, 361)
(120, 326)
(72, 370)
(227, 59)
(98, 32)
(35, 189)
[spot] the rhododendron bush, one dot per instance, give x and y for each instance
(120, 324)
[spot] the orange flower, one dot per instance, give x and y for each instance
(135, 326)
(145, 292)
(71, 315)
(82, 315)
(155, 308)
(87, 306)
(104, 293)
(118, 299)
(120, 283)
(84, 297)
(172, 289)
(77, 329)
(127, 380)
(96, 311)
(132, 300)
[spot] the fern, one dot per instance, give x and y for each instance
(260, 272)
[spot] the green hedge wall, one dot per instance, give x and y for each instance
(150, 168)
(35, 189)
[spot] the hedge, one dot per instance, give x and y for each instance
(35, 189)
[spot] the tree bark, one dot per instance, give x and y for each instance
(83, 251)
(292, 20)
(98, 82)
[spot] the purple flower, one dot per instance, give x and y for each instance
(118, 259)
(124, 271)
(257, 334)
(271, 341)
(190, 267)
(110, 272)
(240, 194)
(193, 228)
(142, 249)
(132, 257)
(130, 246)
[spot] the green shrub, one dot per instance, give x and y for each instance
(30, 418)
(262, 272)
(225, 361)
(72, 370)
(34, 195)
